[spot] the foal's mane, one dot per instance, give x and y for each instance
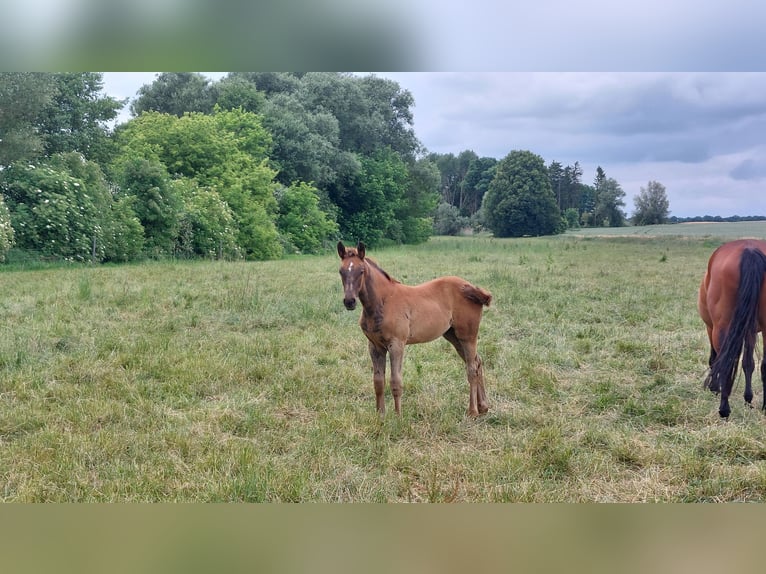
(375, 265)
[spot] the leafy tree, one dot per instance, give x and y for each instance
(420, 199)
(271, 83)
(369, 205)
(475, 184)
(23, 97)
(566, 185)
(156, 202)
(570, 195)
(372, 113)
(587, 204)
(453, 171)
(6, 230)
(600, 178)
(608, 201)
(306, 143)
(234, 91)
(76, 120)
(386, 113)
(301, 221)
(520, 200)
(558, 180)
(175, 93)
(652, 205)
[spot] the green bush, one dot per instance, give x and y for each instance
(448, 220)
(301, 221)
(206, 223)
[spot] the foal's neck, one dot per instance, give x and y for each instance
(376, 283)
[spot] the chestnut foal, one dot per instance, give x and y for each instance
(395, 315)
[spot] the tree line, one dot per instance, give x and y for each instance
(254, 166)
(519, 195)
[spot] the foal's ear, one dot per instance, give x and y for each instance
(360, 250)
(341, 249)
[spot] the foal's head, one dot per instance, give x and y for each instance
(352, 271)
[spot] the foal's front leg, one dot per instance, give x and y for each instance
(378, 356)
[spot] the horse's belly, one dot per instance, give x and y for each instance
(422, 331)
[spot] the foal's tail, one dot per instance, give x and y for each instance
(743, 327)
(477, 294)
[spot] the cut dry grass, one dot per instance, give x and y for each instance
(251, 382)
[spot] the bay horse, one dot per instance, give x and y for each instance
(732, 303)
(395, 315)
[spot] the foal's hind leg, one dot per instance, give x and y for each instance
(396, 352)
(477, 402)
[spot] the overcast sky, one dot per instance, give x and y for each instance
(702, 135)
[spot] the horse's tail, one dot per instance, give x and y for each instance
(477, 294)
(743, 326)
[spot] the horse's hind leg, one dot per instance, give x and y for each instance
(477, 402)
(763, 380)
(748, 366)
(763, 372)
(396, 352)
(710, 361)
(378, 356)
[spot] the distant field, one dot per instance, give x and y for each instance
(703, 229)
(218, 381)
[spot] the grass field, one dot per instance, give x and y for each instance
(232, 381)
(738, 229)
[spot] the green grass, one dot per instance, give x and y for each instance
(215, 381)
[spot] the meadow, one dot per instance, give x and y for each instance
(250, 382)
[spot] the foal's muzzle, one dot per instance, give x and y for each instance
(350, 304)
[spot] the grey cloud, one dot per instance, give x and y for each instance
(749, 170)
(667, 117)
(594, 35)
